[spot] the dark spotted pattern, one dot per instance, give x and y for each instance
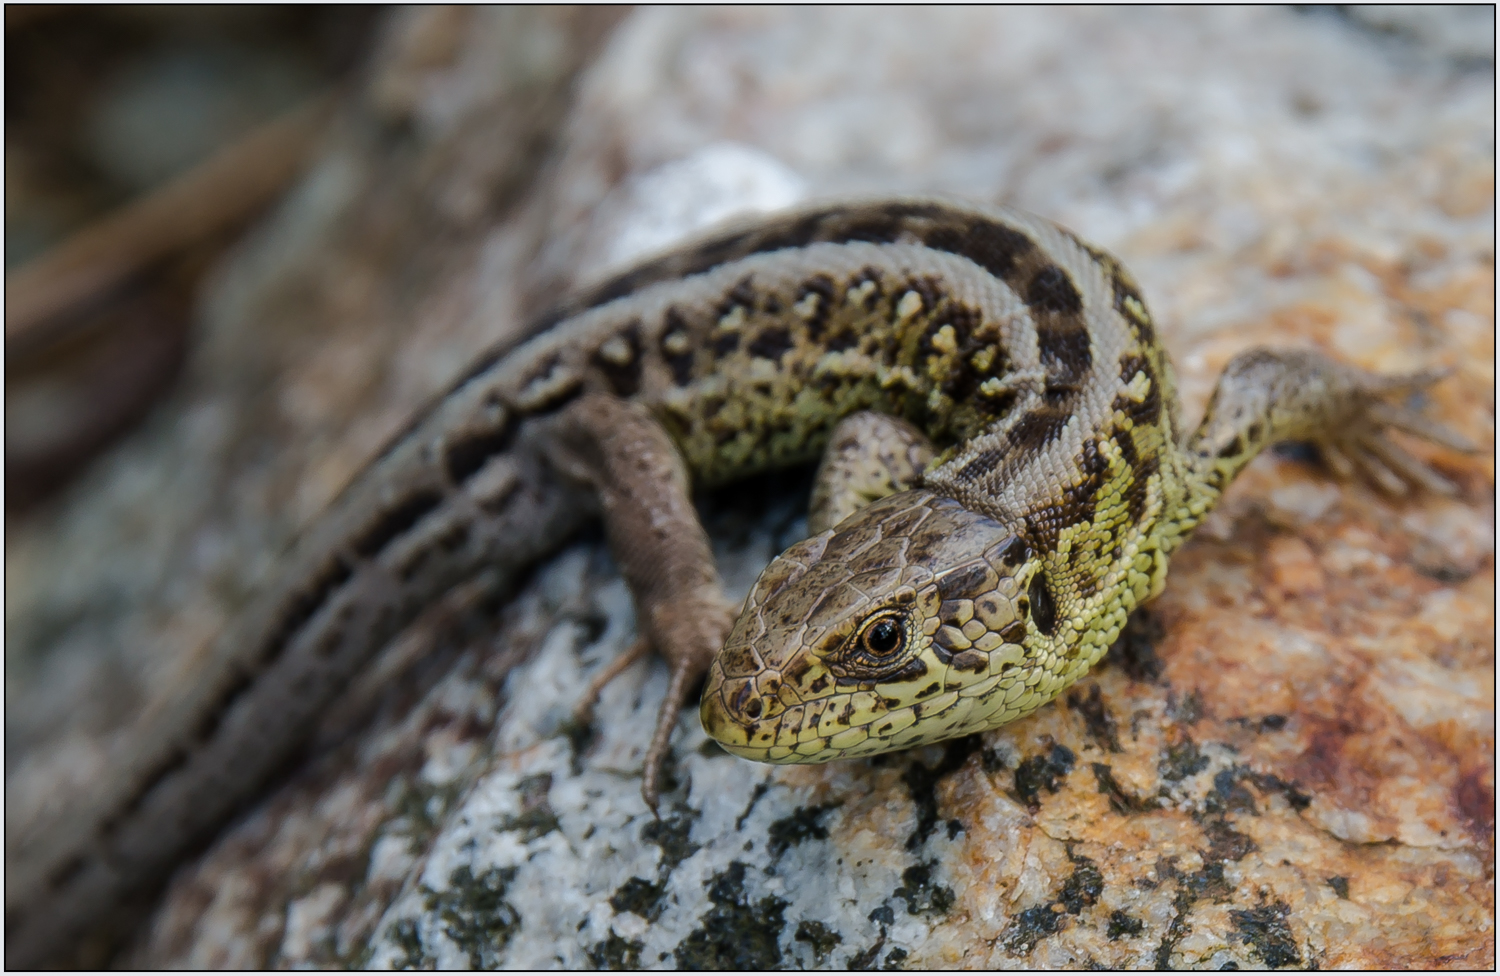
(1064, 345)
(1049, 290)
(1124, 288)
(725, 344)
(772, 343)
(875, 294)
(1135, 492)
(394, 521)
(303, 606)
(1000, 249)
(742, 295)
(932, 290)
(947, 352)
(1072, 506)
(466, 454)
(882, 223)
(1146, 412)
(993, 246)
(989, 242)
(1036, 430)
(827, 292)
(1062, 336)
(1126, 444)
(624, 378)
(982, 464)
(962, 380)
(680, 362)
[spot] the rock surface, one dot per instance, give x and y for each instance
(1287, 762)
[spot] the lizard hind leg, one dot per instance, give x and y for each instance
(680, 684)
(1266, 396)
(869, 456)
(622, 452)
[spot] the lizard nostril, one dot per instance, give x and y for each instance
(753, 709)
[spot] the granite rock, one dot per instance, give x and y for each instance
(1287, 760)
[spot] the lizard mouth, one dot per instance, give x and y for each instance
(736, 715)
(900, 626)
(815, 732)
(805, 712)
(778, 715)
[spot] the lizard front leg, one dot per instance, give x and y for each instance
(1265, 396)
(618, 448)
(869, 456)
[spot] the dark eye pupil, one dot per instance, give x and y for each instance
(884, 637)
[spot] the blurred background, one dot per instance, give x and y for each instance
(140, 141)
(109, 110)
(245, 244)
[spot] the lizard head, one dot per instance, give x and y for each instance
(913, 620)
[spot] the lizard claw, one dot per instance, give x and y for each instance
(583, 712)
(1366, 447)
(661, 741)
(1414, 423)
(690, 632)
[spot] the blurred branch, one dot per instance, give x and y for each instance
(228, 187)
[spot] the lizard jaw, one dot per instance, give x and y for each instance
(802, 680)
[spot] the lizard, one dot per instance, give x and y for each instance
(1003, 478)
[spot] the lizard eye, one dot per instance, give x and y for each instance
(878, 645)
(884, 637)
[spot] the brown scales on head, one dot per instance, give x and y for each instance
(901, 615)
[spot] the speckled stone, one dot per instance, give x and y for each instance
(1287, 761)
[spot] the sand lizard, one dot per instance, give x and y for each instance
(1006, 478)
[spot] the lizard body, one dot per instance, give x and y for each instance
(1023, 359)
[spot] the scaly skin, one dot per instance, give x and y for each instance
(1022, 358)
(964, 604)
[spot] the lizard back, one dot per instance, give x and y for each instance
(1011, 343)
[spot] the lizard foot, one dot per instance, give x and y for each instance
(1364, 447)
(689, 632)
(583, 712)
(693, 632)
